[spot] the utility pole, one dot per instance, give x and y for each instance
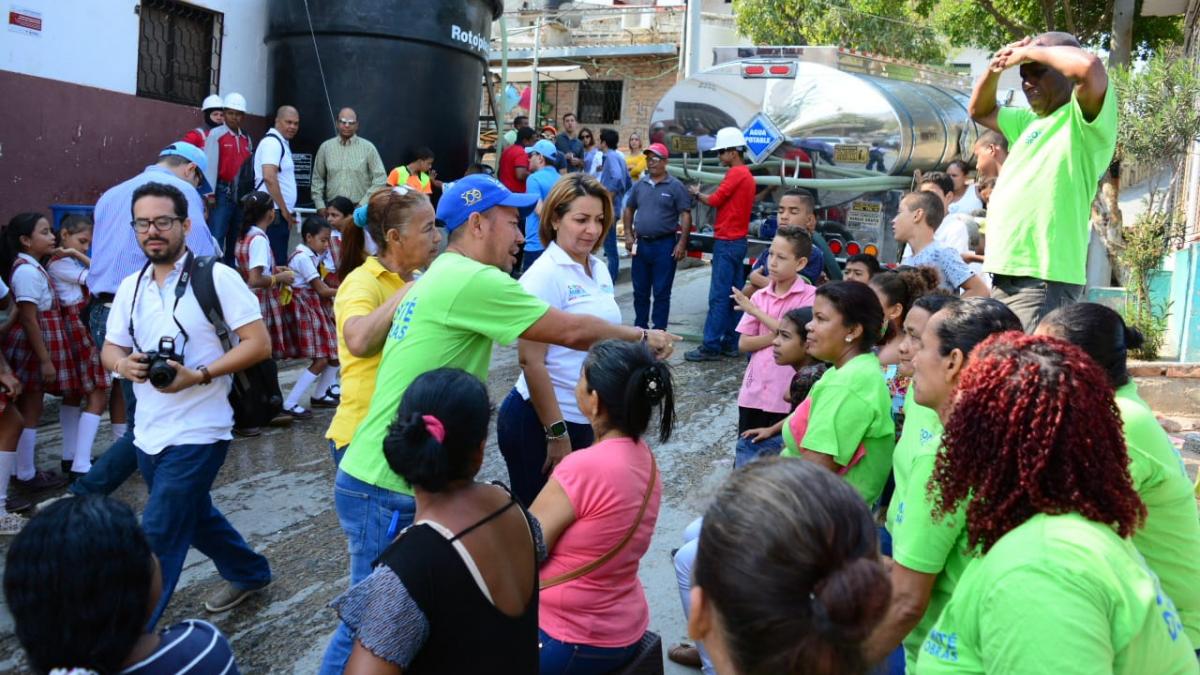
(533, 77)
(693, 19)
(1122, 34)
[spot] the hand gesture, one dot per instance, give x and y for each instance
(284, 276)
(556, 450)
(10, 385)
(1010, 55)
(661, 343)
(184, 377)
(757, 435)
(744, 303)
(133, 367)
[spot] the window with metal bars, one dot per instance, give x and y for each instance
(600, 101)
(179, 51)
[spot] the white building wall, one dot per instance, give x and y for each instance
(95, 43)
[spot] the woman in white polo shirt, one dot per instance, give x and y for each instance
(539, 422)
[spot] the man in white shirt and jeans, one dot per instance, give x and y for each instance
(275, 174)
(184, 426)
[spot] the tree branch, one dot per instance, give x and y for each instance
(1069, 14)
(1016, 30)
(1048, 14)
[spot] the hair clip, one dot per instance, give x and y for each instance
(401, 190)
(360, 216)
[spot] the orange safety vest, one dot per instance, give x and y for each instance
(401, 176)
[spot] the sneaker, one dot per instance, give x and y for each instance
(42, 480)
(247, 432)
(335, 391)
(228, 597)
(731, 353)
(283, 419)
(11, 523)
(701, 354)
(298, 412)
(325, 401)
(19, 504)
(684, 654)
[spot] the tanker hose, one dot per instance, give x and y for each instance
(878, 183)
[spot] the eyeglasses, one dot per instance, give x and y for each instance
(161, 224)
(348, 122)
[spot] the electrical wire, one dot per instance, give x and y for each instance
(320, 68)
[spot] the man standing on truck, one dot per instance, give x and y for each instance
(1059, 148)
(733, 200)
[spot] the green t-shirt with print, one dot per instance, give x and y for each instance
(919, 542)
(1059, 594)
(1039, 211)
(851, 405)
(450, 318)
(1170, 539)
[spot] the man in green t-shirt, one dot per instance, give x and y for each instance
(451, 317)
(1058, 150)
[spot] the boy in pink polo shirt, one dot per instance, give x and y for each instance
(761, 401)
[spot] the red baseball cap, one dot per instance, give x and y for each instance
(658, 149)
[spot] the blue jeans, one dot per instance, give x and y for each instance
(221, 218)
(119, 462)
(747, 450)
(180, 514)
(337, 453)
(278, 233)
(653, 269)
(728, 271)
(611, 255)
(365, 513)
(522, 441)
(564, 658)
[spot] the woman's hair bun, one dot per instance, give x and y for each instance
(851, 599)
(1133, 338)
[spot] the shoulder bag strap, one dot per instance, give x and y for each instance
(608, 555)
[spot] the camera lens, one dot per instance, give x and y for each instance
(161, 373)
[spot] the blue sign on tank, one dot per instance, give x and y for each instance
(762, 137)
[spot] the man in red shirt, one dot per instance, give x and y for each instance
(514, 161)
(227, 147)
(733, 200)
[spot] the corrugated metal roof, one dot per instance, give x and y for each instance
(589, 51)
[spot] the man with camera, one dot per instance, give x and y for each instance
(159, 338)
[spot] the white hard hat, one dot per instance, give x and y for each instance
(729, 137)
(212, 101)
(236, 102)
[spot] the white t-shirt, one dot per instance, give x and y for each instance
(562, 282)
(268, 153)
(29, 284)
(260, 250)
(304, 264)
(970, 202)
(200, 414)
(952, 234)
(68, 276)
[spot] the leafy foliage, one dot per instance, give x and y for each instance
(1157, 114)
(889, 27)
(1145, 243)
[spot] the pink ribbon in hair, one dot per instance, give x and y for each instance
(435, 428)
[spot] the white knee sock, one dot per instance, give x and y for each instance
(68, 416)
(26, 469)
(88, 424)
(328, 379)
(306, 379)
(8, 461)
(118, 430)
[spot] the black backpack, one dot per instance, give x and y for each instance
(244, 184)
(255, 396)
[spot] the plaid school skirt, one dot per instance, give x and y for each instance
(87, 355)
(268, 302)
(310, 331)
(24, 361)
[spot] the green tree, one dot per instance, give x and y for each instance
(891, 27)
(991, 24)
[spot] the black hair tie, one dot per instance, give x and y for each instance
(653, 384)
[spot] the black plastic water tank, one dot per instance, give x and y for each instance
(411, 69)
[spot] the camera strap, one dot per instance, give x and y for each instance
(185, 277)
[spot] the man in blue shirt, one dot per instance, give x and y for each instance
(614, 176)
(542, 177)
(116, 254)
(657, 207)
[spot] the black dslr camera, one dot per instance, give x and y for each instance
(161, 374)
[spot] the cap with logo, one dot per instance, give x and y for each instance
(477, 193)
(544, 148)
(187, 151)
(657, 149)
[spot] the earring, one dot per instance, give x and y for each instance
(849, 339)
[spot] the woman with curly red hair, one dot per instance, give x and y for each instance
(1034, 448)
(1170, 540)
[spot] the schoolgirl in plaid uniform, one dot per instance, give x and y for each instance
(68, 271)
(11, 425)
(257, 265)
(37, 346)
(311, 330)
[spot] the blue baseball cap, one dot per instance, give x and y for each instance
(477, 193)
(544, 148)
(187, 151)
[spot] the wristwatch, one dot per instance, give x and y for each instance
(556, 430)
(205, 376)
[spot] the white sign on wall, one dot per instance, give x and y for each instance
(24, 21)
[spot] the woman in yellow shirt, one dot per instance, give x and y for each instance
(635, 159)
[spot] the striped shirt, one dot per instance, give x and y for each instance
(352, 170)
(194, 647)
(115, 250)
